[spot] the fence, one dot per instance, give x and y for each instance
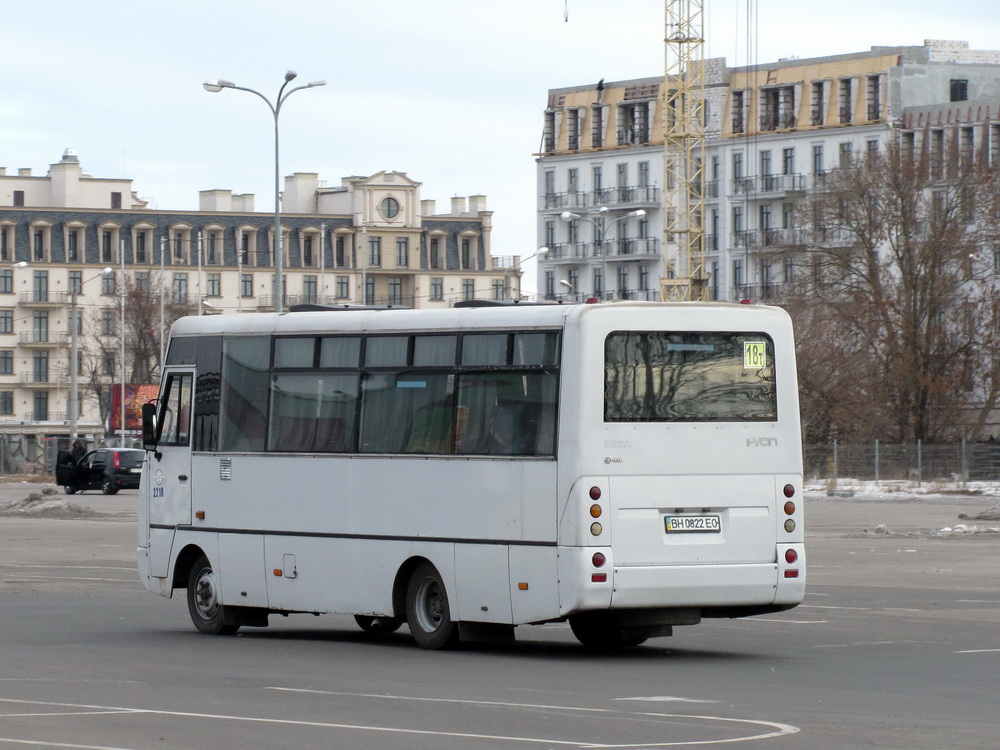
(916, 462)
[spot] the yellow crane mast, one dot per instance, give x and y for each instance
(683, 118)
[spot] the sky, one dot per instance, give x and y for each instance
(450, 92)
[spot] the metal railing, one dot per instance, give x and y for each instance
(914, 462)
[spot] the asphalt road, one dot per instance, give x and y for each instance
(896, 646)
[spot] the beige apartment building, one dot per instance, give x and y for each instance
(369, 240)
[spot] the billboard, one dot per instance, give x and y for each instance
(136, 394)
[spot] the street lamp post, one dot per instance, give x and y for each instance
(600, 232)
(74, 355)
(518, 272)
(217, 86)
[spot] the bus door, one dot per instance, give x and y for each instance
(169, 495)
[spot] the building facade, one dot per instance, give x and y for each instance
(773, 131)
(370, 240)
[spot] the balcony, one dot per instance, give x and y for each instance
(770, 186)
(41, 339)
(44, 300)
(630, 196)
(43, 379)
(627, 197)
(573, 252)
(770, 239)
(633, 247)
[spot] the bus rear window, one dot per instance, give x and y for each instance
(658, 376)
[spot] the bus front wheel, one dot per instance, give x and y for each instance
(204, 603)
(427, 611)
(597, 630)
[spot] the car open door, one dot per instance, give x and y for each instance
(66, 469)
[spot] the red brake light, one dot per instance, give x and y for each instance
(598, 559)
(595, 493)
(789, 490)
(118, 460)
(791, 556)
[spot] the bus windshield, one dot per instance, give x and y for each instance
(657, 376)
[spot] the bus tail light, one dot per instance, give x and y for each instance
(789, 490)
(789, 508)
(598, 577)
(598, 559)
(791, 556)
(595, 493)
(596, 511)
(791, 574)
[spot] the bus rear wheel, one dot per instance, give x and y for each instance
(427, 611)
(597, 630)
(378, 625)
(204, 602)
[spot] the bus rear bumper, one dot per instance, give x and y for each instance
(730, 585)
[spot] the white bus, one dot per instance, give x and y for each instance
(627, 467)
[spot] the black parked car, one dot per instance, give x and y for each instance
(106, 469)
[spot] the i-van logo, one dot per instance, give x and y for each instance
(766, 442)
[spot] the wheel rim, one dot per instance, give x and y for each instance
(430, 605)
(206, 599)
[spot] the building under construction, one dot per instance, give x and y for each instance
(620, 220)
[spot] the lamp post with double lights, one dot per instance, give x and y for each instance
(600, 232)
(74, 353)
(275, 107)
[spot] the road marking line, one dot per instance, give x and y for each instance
(827, 606)
(66, 567)
(15, 741)
(980, 651)
(16, 579)
(781, 729)
(667, 699)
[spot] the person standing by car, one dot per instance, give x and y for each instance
(77, 450)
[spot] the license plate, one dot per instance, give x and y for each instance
(695, 524)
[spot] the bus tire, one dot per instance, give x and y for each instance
(427, 611)
(596, 630)
(378, 625)
(204, 603)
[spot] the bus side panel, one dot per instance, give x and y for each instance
(536, 568)
(486, 500)
(242, 584)
(347, 576)
(160, 553)
(482, 583)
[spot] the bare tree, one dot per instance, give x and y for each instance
(100, 350)
(887, 299)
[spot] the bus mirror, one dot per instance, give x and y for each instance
(149, 426)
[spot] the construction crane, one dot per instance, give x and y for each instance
(683, 277)
(683, 117)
